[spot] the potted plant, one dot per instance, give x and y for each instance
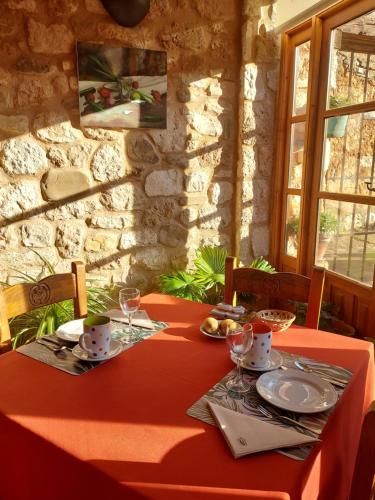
(327, 227)
(336, 125)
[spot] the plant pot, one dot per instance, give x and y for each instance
(322, 246)
(336, 126)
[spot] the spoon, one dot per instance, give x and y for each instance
(328, 378)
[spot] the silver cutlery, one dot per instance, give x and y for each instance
(282, 418)
(53, 348)
(323, 375)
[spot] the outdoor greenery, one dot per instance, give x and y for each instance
(206, 281)
(327, 224)
(337, 102)
(44, 320)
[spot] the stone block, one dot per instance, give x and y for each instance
(164, 183)
(55, 126)
(254, 84)
(266, 160)
(37, 234)
(189, 216)
(27, 259)
(152, 258)
(57, 157)
(220, 192)
(62, 7)
(102, 134)
(23, 156)
(160, 211)
(127, 196)
(99, 241)
(16, 199)
(72, 210)
(58, 184)
(107, 163)
(212, 217)
(173, 236)
(31, 64)
(197, 182)
(207, 124)
(138, 238)
(69, 239)
(52, 39)
(115, 221)
(28, 5)
(14, 124)
(273, 79)
(78, 154)
(32, 91)
(8, 238)
(140, 148)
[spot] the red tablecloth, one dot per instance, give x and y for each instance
(121, 430)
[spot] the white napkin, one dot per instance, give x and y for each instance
(140, 318)
(246, 434)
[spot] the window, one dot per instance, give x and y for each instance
(324, 212)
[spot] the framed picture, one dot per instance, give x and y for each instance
(121, 87)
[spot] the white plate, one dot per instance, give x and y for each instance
(275, 361)
(296, 391)
(71, 330)
(115, 347)
(214, 335)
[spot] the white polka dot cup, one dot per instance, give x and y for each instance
(96, 337)
(259, 354)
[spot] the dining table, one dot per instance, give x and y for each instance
(121, 431)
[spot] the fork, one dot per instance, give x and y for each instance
(276, 416)
(53, 348)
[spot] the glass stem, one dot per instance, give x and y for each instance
(130, 325)
(239, 370)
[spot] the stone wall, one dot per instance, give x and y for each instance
(129, 203)
(134, 203)
(259, 73)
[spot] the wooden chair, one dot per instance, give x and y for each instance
(286, 286)
(363, 478)
(22, 298)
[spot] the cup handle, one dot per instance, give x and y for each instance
(82, 343)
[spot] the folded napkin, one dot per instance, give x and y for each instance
(246, 434)
(140, 318)
(224, 314)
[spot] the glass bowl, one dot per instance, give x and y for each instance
(276, 319)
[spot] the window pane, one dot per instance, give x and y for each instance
(293, 208)
(352, 64)
(346, 239)
(296, 155)
(301, 78)
(349, 154)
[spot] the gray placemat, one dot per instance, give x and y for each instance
(66, 361)
(218, 394)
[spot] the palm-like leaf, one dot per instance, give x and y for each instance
(210, 264)
(262, 264)
(182, 284)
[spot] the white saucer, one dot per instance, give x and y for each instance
(71, 330)
(296, 391)
(115, 348)
(275, 361)
(214, 335)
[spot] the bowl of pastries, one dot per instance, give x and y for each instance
(217, 329)
(276, 319)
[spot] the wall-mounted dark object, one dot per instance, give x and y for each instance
(127, 12)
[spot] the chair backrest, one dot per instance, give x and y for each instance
(22, 298)
(364, 470)
(286, 286)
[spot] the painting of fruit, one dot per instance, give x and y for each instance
(122, 87)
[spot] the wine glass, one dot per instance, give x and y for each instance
(129, 299)
(239, 342)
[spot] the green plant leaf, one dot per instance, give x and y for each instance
(181, 284)
(262, 264)
(210, 264)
